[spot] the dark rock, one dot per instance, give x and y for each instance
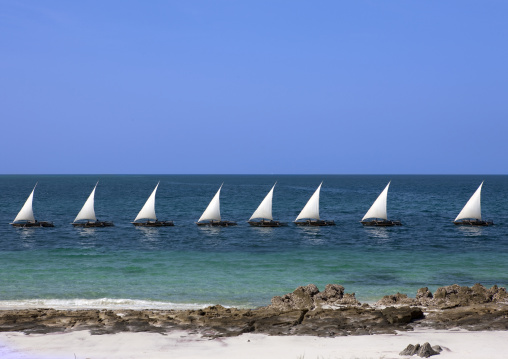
(278, 324)
(301, 298)
(424, 293)
(488, 316)
(426, 351)
(309, 298)
(457, 296)
(334, 295)
(347, 321)
(423, 351)
(498, 295)
(410, 350)
(396, 299)
(348, 299)
(437, 348)
(310, 289)
(402, 315)
(332, 292)
(449, 297)
(424, 296)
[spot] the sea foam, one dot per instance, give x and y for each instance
(102, 303)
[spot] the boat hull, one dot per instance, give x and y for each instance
(33, 224)
(216, 224)
(476, 222)
(266, 224)
(315, 223)
(93, 224)
(384, 223)
(154, 224)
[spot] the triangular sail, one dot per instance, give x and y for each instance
(27, 213)
(473, 207)
(212, 212)
(148, 210)
(378, 208)
(311, 209)
(265, 208)
(88, 212)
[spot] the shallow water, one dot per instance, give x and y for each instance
(187, 265)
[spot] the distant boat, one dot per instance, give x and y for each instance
(86, 217)
(471, 214)
(25, 217)
(148, 213)
(377, 214)
(310, 213)
(211, 215)
(264, 213)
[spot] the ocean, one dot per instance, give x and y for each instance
(187, 266)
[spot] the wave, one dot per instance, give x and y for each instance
(102, 303)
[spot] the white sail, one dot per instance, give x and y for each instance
(265, 208)
(378, 208)
(148, 210)
(473, 208)
(311, 209)
(212, 212)
(88, 212)
(27, 213)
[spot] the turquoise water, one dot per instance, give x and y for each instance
(187, 266)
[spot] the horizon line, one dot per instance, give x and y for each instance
(254, 174)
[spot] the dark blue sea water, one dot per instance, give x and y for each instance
(186, 265)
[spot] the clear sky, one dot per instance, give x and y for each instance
(254, 87)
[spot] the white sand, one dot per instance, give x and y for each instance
(82, 345)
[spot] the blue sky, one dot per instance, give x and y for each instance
(285, 87)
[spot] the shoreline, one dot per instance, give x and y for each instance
(99, 304)
(305, 311)
(466, 322)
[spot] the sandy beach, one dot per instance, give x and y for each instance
(465, 322)
(181, 344)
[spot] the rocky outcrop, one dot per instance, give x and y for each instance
(396, 299)
(449, 297)
(334, 296)
(301, 298)
(423, 351)
(457, 296)
(216, 321)
(489, 316)
(426, 350)
(309, 298)
(424, 296)
(306, 311)
(357, 321)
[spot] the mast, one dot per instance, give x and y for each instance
(148, 210)
(26, 213)
(473, 207)
(311, 209)
(212, 212)
(88, 212)
(378, 208)
(264, 210)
